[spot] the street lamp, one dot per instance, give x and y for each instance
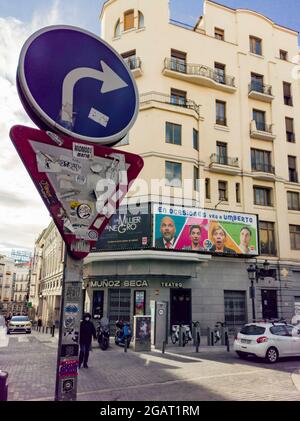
(254, 274)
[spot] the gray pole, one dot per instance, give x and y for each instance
(69, 327)
(253, 300)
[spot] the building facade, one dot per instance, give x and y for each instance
(219, 103)
(7, 282)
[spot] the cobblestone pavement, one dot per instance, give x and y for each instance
(180, 374)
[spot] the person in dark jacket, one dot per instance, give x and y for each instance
(87, 331)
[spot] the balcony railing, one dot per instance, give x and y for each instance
(224, 160)
(133, 62)
(263, 127)
(168, 99)
(259, 166)
(260, 87)
(293, 176)
(199, 70)
(290, 137)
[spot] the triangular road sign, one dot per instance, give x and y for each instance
(82, 184)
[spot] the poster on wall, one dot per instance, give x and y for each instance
(139, 303)
(204, 231)
(128, 229)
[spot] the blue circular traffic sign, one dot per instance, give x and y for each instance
(73, 82)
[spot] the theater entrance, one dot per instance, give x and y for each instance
(180, 306)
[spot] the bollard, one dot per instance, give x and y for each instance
(43, 329)
(212, 339)
(46, 329)
(227, 341)
(180, 335)
(163, 347)
(3, 385)
(125, 344)
(53, 330)
(198, 342)
(208, 336)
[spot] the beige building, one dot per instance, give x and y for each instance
(47, 273)
(21, 287)
(7, 280)
(218, 102)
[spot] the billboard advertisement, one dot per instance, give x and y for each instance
(128, 229)
(204, 230)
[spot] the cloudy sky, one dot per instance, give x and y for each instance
(22, 212)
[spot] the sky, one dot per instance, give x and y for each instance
(22, 213)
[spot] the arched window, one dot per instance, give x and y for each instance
(117, 28)
(141, 20)
(128, 20)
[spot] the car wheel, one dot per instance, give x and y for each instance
(272, 355)
(242, 355)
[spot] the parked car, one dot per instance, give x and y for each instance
(268, 340)
(19, 324)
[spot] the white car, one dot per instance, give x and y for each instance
(268, 340)
(19, 324)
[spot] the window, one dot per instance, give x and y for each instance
(235, 309)
(257, 83)
(178, 61)
(262, 196)
(128, 20)
(293, 200)
(196, 139)
(220, 73)
(289, 127)
(219, 34)
(196, 178)
(173, 133)
(221, 113)
(267, 238)
(178, 97)
(283, 55)
(261, 161)
(293, 176)
(222, 153)
(173, 174)
(141, 20)
(222, 187)
(238, 192)
(287, 94)
(256, 45)
(130, 58)
(259, 118)
(295, 237)
(118, 29)
(207, 188)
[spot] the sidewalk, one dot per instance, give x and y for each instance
(189, 348)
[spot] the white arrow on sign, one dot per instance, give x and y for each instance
(111, 82)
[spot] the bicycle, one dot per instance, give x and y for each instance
(217, 332)
(186, 336)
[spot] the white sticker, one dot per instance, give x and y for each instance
(47, 163)
(83, 151)
(70, 165)
(98, 117)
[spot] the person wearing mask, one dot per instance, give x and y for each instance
(87, 331)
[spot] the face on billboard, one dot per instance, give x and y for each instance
(167, 228)
(219, 238)
(195, 235)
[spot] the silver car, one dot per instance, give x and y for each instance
(19, 324)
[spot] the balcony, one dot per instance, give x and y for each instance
(262, 131)
(224, 164)
(293, 176)
(260, 92)
(135, 65)
(199, 74)
(150, 97)
(263, 171)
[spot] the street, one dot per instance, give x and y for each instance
(113, 375)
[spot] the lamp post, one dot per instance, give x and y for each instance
(254, 274)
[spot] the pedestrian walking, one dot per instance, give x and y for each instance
(87, 331)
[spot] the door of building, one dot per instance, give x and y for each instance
(118, 306)
(269, 303)
(235, 309)
(180, 306)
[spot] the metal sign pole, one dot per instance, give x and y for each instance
(69, 328)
